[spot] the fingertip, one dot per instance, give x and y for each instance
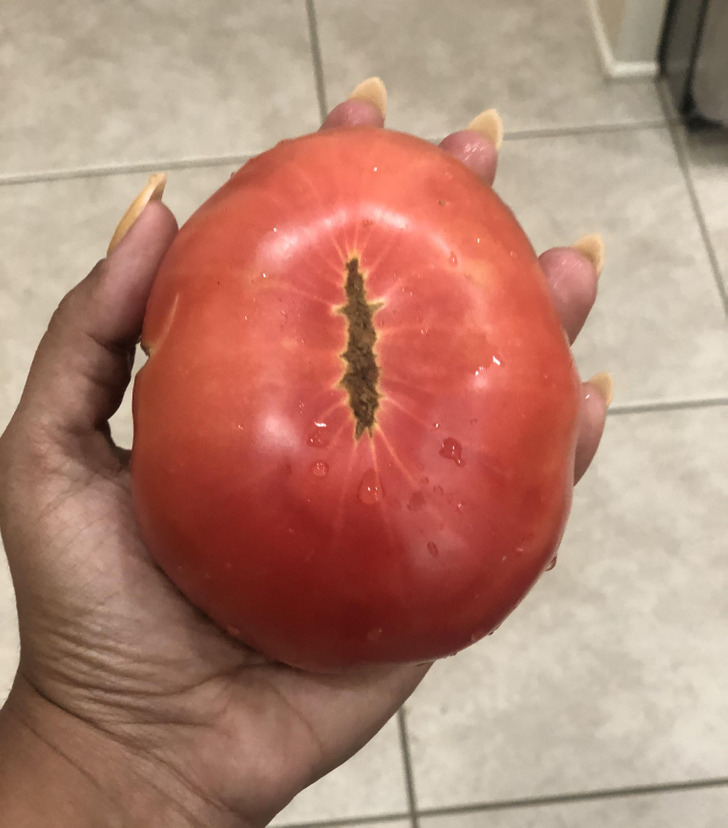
(603, 384)
(475, 150)
(374, 92)
(573, 283)
(155, 228)
(592, 417)
(351, 113)
(591, 247)
(489, 124)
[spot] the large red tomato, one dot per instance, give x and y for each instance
(354, 435)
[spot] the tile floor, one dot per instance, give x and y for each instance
(603, 701)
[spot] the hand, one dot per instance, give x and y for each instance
(126, 694)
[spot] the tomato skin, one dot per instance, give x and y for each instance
(251, 489)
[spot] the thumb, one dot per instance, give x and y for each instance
(83, 363)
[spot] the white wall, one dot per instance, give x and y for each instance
(628, 34)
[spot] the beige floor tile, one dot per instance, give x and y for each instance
(708, 160)
(370, 783)
(705, 808)
(51, 234)
(658, 324)
(444, 62)
(613, 672)
(86, 84)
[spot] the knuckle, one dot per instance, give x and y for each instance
(72, 306)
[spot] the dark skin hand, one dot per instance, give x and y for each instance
(130, 707)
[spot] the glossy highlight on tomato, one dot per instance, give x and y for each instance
(354, 434)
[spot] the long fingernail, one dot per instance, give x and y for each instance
(490, 124)
(152, 192)
(374, 92)
(604, 384)
(592, 247)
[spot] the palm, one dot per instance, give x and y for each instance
(116, 645)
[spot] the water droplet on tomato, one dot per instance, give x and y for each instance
(496, 361)
(319, 437)
(452, 450)
(320, 468)
(416, 502)
(370, 488)
(478, 241)
(275, 229)
(551, 564)
(375, 169)
(453, 258)
(480, 370)
(265, 275)
(436, 425)
(459, 507)
(432, 549)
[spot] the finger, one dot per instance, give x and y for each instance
(597, 396)
(478, 145)
(573, 274)
(83, 363)
(366, 106)
(353, 113)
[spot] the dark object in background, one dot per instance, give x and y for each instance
(694, 59)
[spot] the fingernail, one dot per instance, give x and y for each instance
(374, 92)
(152, 192)
(592, 247)
(604, 384)
(490, 124)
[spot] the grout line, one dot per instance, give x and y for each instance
(506, 804)
(37, 177)
(674, 405)
(584, 129)
(318, 67)
(407, 762)
(585, 796)
(680, 143)
(349, 821)
(121, 169)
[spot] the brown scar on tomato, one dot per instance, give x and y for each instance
(362, 371)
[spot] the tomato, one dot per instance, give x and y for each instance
(355, 432)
